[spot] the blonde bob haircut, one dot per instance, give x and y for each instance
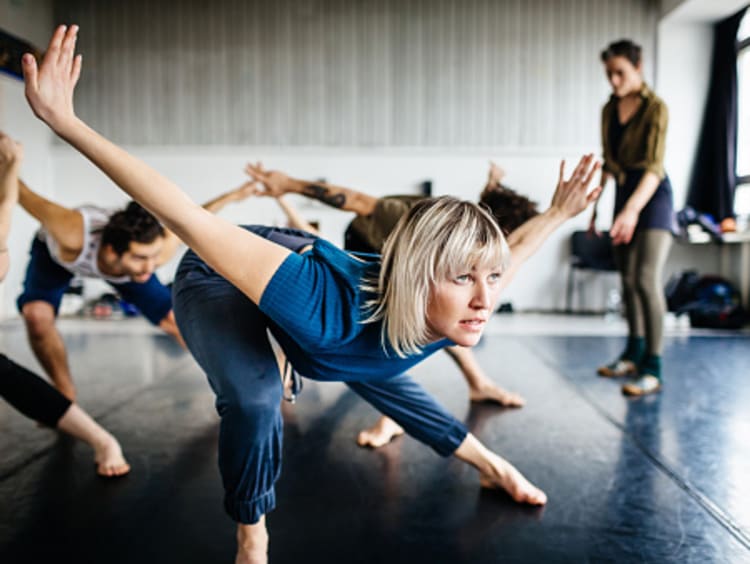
(438, 239)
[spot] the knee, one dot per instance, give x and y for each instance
(646, 282)
(629, 283)
(39, 318)
(256, 409)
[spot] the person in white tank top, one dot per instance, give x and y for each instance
(123, 248)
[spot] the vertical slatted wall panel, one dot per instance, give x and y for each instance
(444, 73)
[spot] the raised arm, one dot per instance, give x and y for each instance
(11, 155)
(495, 176)
(172, 242)
(277, 183)
(571, 197)
(49, 91)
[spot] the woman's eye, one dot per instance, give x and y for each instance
(462, 278)
(494, 277)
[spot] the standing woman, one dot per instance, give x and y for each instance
(634, 127)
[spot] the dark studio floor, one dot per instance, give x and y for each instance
(658, 479)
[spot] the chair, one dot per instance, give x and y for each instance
(588, 252)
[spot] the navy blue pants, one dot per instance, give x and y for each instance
(226, 334)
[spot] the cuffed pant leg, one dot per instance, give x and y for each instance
(226, 333)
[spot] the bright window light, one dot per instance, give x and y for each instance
(743, 112)
(744, 31)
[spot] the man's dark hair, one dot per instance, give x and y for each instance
(623, 48)
(133, 223)
(509, 208)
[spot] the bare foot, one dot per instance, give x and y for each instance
(504, 476)
(494, 393)
(109, 460)
(383, 432)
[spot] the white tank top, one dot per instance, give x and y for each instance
(94, 220)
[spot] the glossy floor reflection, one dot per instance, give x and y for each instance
(662, 479)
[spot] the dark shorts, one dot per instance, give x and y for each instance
(47, 281)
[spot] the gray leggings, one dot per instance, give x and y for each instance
(641, 263)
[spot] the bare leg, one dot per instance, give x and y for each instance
(252, 543)
(48, 345)
(481, 388)
(107, 452)
(383, 432)
(496, 472)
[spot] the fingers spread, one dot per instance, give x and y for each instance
(597, 166)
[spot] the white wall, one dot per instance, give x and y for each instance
(31, 20)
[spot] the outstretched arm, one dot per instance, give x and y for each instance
(277, 183)
(11, 155)
(49, 91)
(172, 242)
(571, 197)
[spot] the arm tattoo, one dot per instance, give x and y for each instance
(324, 195)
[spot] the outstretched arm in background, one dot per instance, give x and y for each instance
(571, 197)
(277, 184)
(495, 176)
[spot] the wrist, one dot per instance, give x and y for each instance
(557, 214)
(631, 209)
(66, 127)
(10, 166)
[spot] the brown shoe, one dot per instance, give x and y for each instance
(618, 369)
(646, 384)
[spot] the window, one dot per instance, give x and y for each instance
(742, 190)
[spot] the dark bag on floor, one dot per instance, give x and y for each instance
(680, 289)
(716, 305)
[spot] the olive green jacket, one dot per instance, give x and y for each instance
(642, 144)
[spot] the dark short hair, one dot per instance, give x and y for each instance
(509, 208)
(623, 48)
(133, 223)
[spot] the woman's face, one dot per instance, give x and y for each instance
(624, 77)
(460, 307)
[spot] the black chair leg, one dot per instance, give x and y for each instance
(569, 291)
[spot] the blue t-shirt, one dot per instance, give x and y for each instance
(316, 309)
